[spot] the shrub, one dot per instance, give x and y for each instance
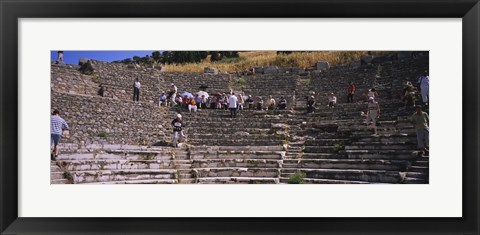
(297, 178)
(338, 147)
(102, 134)
(242, 82)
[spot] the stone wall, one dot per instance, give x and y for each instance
(101, 120)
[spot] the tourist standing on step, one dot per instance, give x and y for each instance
(351, 92)
(213, 102)
(421, 121)
(282, 103)
(259, 103)
(373, 114)
(172, 94)
(410, 94)
(232, 105)
(57, 125)
(424, 82)
(136, 90)
(102, 90)
(310, 104)
(270, 103)
(203, 102)
(177, 125)
(372, 93)
(249, 101)
(60, 56)
(332, 100)
(241, 101)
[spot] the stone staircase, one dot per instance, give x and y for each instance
(57, 175)
(126, 164)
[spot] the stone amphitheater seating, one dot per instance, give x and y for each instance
(331, 145)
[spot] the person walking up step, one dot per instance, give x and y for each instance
(57, 125)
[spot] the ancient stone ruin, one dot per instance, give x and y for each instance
(117, 141)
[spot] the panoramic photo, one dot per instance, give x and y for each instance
(239, 117)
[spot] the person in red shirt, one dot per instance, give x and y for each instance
(351, 91)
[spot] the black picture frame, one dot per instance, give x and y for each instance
(12, 10)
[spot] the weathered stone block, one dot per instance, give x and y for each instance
(83, 61)
(366, 60)
(323, 66)
(258, 70)
(210, 70)
(270, 70)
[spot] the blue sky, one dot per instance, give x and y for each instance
(72, 57)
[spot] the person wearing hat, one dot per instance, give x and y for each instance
(421, 121)
(177, 125)
(373, 114)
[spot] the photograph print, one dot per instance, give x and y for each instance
(239, 117)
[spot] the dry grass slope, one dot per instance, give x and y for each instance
(248, 60)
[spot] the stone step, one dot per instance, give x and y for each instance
(420, 175)
(187, 181)
(232, 136)
(324, 142)
(185, 176)
(114, 164)
(209, 154)
(322, 156)
(365, 146)
(57, 176)
(324, 181)
(420, 169)
(142, 181)
(396, 165)
(238, 180)
(236, 148)
(420, 163)
(381, 154)
(246, 163)
(240, 142)
(376, 176)
(59, 181)
(236, 172)
(121, 175)
(125, 155)
(322, 149)
(408, 180)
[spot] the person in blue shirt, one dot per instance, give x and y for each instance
(162, 100)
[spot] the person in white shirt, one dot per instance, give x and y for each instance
(232, 105)
(172, 94)
(424, 82)
(332, 100)
(136, 90)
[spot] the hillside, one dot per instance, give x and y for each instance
(249, 59)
